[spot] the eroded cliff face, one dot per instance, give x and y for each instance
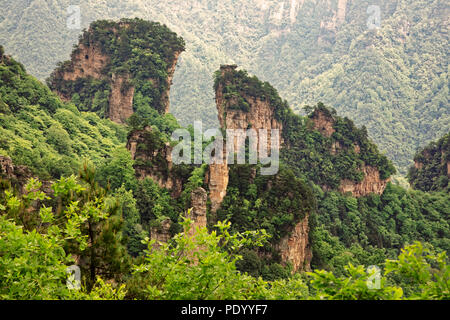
(217, 180)
(260, 115)
(89, 61)
(323, 123)
(295, 248)
(19, 175)
(153, 159)
(370, 184)
(199, 198)
(121, 98)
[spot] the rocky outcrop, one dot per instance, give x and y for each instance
(86, 61)
(197, 214)
(89, 61)
(260, 115)
(370, 184)
(121, 98)
(217, 180)
(153, 159)
(161, 234)
(295, 248)
(17, 175)
(323, 123)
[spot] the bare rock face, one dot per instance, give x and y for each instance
(88, 61)
(295, 248)
(323, 123)
(370, 184)
(153, 161)
(198, 212)
(165, 101)
(161, 234)
(17, 175)
(260, 115)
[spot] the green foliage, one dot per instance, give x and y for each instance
(132, 228)
(431, 170)
(154, 203)
(393, 82)
(272, 203)
(429, 273)
(328, 160)
(309, 153)
(143, 51)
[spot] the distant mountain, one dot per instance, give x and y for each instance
(383, 63)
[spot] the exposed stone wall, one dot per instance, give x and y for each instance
(199, 198)
(88, 61)
(370, 184)
(162, 176)
(295, 247)
(323, 123)
(161, 234)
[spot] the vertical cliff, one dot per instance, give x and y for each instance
(244, 102)
(153, 159)
(114, 63)
(431, 170)
(295, 248)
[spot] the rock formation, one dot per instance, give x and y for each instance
(161, 234)
(370, 184)
(295, 248)
(153, 159)
(198, 212)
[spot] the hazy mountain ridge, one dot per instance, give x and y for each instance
(393, 80)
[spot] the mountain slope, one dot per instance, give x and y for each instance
(393, 80)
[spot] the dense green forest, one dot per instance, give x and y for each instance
(87, 204)
(393, 80)
(139, 49)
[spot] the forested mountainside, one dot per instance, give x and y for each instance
(392, 79)
(38, 130)
(431, 170)
(112, 201)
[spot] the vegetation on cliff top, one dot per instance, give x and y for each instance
(430, 172)
(141, 50)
